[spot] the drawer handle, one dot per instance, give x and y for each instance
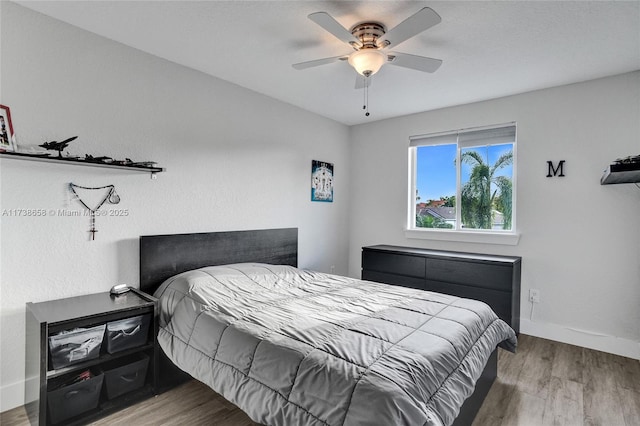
(125, 333)
(132, 332)
(129, 377)
(73, 393)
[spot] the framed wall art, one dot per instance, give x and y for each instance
(321, 181)
(6, 130)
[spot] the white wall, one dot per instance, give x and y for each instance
(235, 160)
(580, 241)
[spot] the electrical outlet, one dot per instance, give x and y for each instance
(534, 295)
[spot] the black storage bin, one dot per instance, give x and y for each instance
(74, 399)
(127, 333)
(127, 375)
(77, 345)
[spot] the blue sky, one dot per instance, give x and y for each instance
(436, 170)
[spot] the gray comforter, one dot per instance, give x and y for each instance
(296, 347)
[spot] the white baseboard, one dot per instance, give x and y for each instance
(586, 339)
(12, 395)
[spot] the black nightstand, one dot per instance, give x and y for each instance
(46, 319)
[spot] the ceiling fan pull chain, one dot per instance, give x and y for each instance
(364, 93)
(366, 97)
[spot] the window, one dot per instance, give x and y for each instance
(464, 180)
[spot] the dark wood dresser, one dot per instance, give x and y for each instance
(492, 279)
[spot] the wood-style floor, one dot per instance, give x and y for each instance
(551, 383)
(545, 383)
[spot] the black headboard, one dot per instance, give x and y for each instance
(163, 256)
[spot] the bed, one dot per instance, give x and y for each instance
(291, 346)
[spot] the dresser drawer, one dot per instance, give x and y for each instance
(477, 274)
(499, 301)
(390, 263)
(401, 280)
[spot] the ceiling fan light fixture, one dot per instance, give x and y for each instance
(367, 61)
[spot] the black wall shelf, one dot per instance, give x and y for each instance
(79, 162)
(621, 173)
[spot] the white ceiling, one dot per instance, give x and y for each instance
(489, 48)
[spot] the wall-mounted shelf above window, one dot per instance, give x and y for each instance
(621, 173)
(81, 162)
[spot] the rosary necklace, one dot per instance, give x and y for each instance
(111, 196)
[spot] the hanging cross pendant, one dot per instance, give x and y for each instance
(93, 229)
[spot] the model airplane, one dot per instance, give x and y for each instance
(131, 163)
(144, 164)
(101, 160)
(58, 146)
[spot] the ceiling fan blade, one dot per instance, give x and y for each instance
(419, 63)
(318, 62)
(362, 82)
(420, 21)
(327, 22)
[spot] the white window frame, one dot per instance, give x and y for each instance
(486, 236)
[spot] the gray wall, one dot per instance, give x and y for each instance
(580, 241)
(235, 160)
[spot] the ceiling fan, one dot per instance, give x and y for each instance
(370, 41)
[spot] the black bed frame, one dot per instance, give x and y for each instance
(163, 256)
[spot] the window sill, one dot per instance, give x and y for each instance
(464, 236)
